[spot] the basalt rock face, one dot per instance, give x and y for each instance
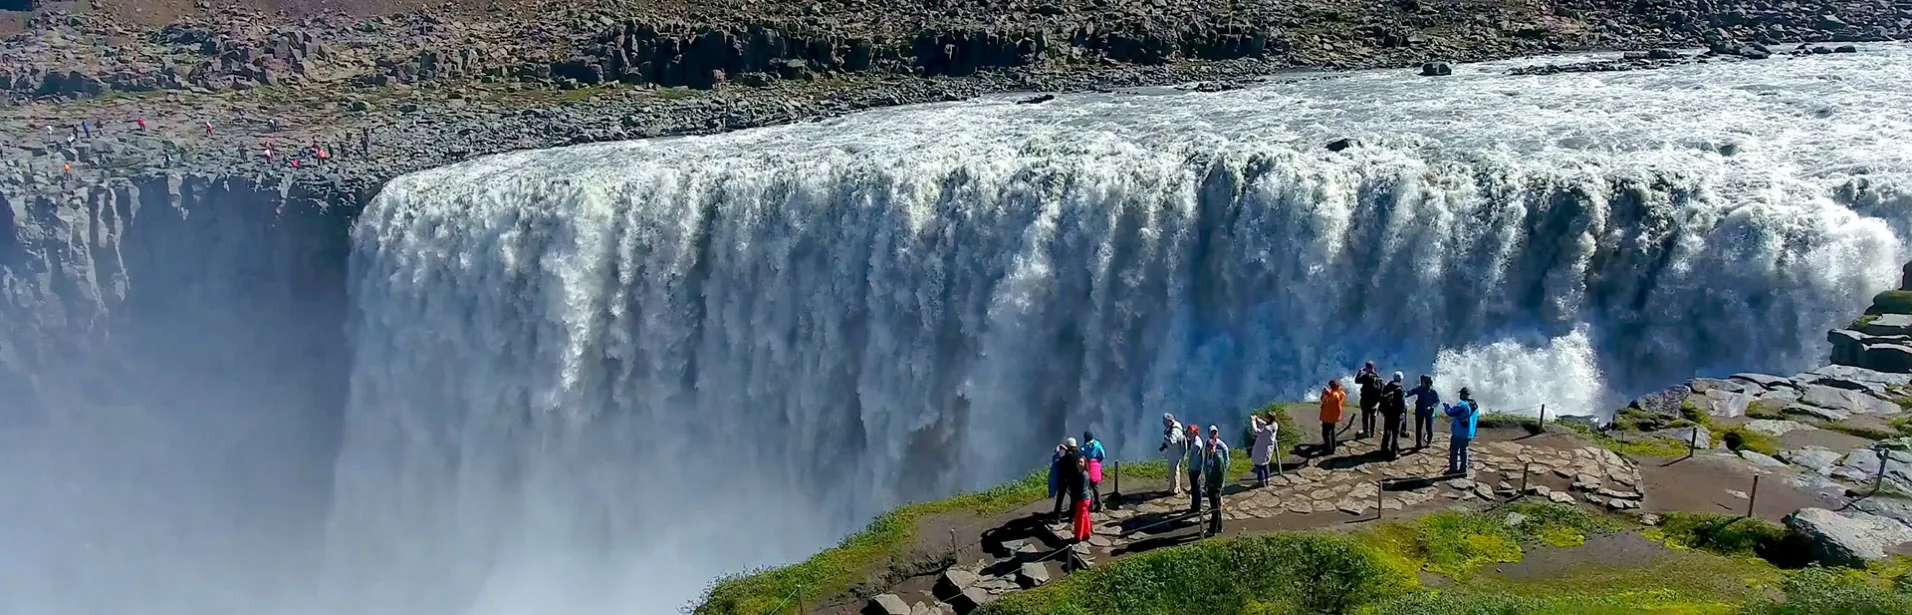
(180, 337)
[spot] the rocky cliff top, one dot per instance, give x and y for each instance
(140, 86)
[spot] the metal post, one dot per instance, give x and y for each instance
(1115, 497)
(1543, 417)
(1753, 499)
(1377, 499)
(1693, 443)
(1278, 461)
(1878, 482)
(1523, 480)
(800, 609)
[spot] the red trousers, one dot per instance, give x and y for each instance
(1082, 524)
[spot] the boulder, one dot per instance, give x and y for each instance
(1858, 378)
(1846, 49)
(1775, 427)
(1848, 346)
(1824, 414)
(1847, 400)
(1817, 459)
(1341, 144)
(1436, 69)
(1723, 404)
(1662, 54)
(1704, 385)
(1887, 357)
(1662, 403)
(1032, 575)
(953, 582)
(1840, 540)
(971, 600)
(1886, 324)
(1763, 380)
(886, 604)
(1760, 460)
(928, 608)
(1781, 394)
(1698, 436)
(1863, 467)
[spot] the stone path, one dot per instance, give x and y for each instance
(1313, 493)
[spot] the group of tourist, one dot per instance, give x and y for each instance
(1388, 399)
(1075, 473)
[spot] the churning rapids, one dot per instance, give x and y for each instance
(587, 380)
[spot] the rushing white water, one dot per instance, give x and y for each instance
(588, 379)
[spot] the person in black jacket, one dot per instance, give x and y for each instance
(1393, 410)
(1370, 383)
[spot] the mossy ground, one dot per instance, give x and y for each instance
(1377, 571)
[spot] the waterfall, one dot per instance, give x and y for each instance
(585, 380)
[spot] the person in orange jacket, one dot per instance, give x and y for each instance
(1331, 400)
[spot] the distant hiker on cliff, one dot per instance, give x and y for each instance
(1393, 412)
(1263, 450)
(1370, 383)
(1196, 449)
(208, 124)
(1214, 472)
(1092, 457)
(1465, 414)
(1425, 399)
(268, 150)
(142, 122)
(86, 128)
(1175, 448)
(1332, 399)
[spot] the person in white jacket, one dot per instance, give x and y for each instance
(1263, 451)
(1175, 449)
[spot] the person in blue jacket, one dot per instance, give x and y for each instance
(1465, 414)
(1425, 400)
(1093, 455)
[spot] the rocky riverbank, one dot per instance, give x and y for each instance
(96, 97)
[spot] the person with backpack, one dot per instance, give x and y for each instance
(1465, 415)
(1332, 400)
(1214, 473)
(1425, 399)
(1092, 457)
(1393, 411)
(1370, 383)
(1175, 449)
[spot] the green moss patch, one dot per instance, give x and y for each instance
(1729, 535)
(1267, 574)
(1891, 302)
